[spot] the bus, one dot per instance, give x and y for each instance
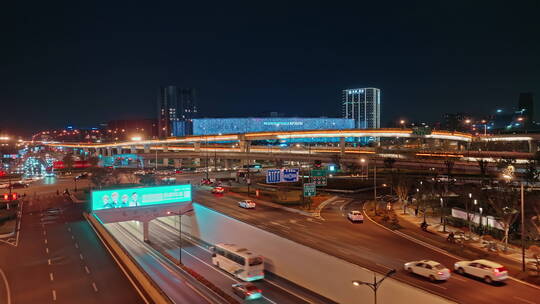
(239, 261)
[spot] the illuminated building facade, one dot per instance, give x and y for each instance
(364, 106)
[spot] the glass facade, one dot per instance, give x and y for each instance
(364, 106)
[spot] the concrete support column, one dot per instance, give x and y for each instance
(177, 163)
(197, 146)
(227, 163)
(341, 145)
(109, 151)
(118, 150)
(533, 146)
(146, 231)
(165, 161)
(133, 150)
(146, 149)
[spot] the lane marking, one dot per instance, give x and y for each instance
(49, 261)
(72, 237)
(442, 287)
(45, 241)
(6, 284)
(86, 269)
(81, 256)
(76, 245)
(94, 286)
(524, 300)
(51, 276)
(47, 250)
(54, 295)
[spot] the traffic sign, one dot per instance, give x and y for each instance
(290, 175)
(319, 177)
(310, 189)
(273, 176)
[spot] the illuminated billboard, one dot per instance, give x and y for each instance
(136, 197)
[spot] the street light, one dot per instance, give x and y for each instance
(376, 284)
(443, 218)
(179, 231)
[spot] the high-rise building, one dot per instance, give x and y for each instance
(526, 106)
(364, 106)
(176, 110)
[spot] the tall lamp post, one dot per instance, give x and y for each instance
(179, 213)
(376, 284)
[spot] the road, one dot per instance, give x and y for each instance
(164, 235)
(367, 245)
(58, 258)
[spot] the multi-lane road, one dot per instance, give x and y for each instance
(57, 258)
(368, 245)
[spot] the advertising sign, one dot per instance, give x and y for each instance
(290, 175)
(273, 176)
(310, 189)
(135, 197)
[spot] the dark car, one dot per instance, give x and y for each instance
(247, 291)
(82, 176)
(19, 185)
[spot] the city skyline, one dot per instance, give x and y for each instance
(83, 65)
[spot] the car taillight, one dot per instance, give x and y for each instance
(499, 270)
(440, 273)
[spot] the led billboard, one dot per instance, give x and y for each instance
(136, 197)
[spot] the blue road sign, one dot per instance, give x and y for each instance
(290, 175)
(273, 176)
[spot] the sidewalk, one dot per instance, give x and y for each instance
(474, 247)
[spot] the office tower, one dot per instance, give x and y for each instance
(364, 106)
(176, 110)
(526, 106)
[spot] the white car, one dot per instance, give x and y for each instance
(355, 216)
(435, 271)
(487, 270)
(248, 204)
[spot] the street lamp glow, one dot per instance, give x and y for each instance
(475, 202)
(363, 160)
(402, 121)
(356, 283)
(470, 195)
(467, 121)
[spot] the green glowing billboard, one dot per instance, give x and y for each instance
(135, 197)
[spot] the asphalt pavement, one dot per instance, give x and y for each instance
(58, 258)
(368, 245)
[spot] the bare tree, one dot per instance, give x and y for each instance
(483, 165)
(100, 177)
(504, 201)
(531, 172)
(449, 164)
(68, 160)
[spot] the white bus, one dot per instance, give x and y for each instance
(240, 262)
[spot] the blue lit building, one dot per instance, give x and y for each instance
(205, 126)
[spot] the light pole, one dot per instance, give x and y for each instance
(376, 284)
(179, 213)
(467, 209)
(522, 229)
(443, 215)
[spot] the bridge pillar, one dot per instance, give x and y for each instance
(227, 163)
(133, 150)
(197, 146)
(118, 150)
(533, 146)
(197, 161)
(146, 149)
(165, 161)
(146, 231)
(109, 151)
(341, 145)
(177, 163)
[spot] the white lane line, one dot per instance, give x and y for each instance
(81, 256)
(6, 284)
(72, 237)
(442, 287)
(94, 286)
(49, 261)
(47, 250)
(69, 229)
(76, 245)
(51, 276)
(54, 295)
(44, 232)
(86, 269)
(524, 300)
(45, 241)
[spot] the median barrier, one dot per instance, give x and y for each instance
(138, 277)
(312, 269)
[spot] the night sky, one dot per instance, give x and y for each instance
(89, 62)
